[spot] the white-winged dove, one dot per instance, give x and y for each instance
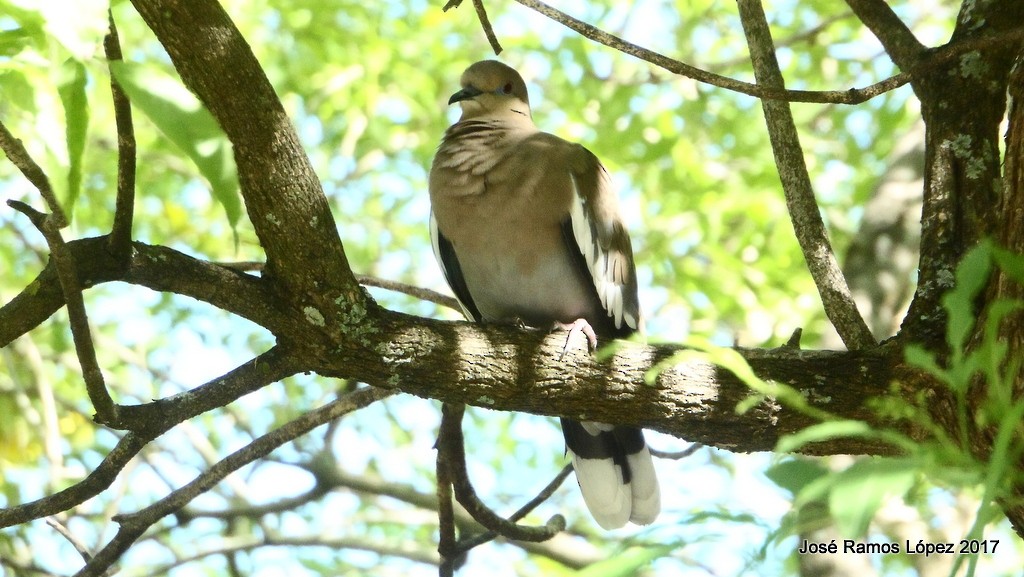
(527, 229)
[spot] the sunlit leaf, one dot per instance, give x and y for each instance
(860, 490)
(795, 474)
(71, 87)
(971, 276)
(186, 123)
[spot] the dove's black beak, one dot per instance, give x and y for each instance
(465, 94)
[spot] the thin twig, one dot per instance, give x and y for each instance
(465, 545)
(20, 157)
(851, 96)
(413, 291)
(124, 209)
(485, 23)
(67, 274)
(445, 515)
(62, 529)
(243, 265)
(808, 34)
(676, 455)
(450, 443)
(899, 42)
(423, 294)
(803, 207)
(270, 366)
(367, 281)
(133, 525)
(97, 481)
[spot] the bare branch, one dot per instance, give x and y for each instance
(153, 420)
(851, 96)
(452, 456)
(676, 455)
(803, 207)
(491, 365)
(282, 193)
(445, 513)
(98, 480)
(67, 275)
(687, 396)
(20, 157)
(155, 267)
(135, 524)
(423, 294)
(124, 209)
(62, 529)
(899, 42)
(570, 554)
(257, 511)
(544, 494)
(413, 291)
(485, 22)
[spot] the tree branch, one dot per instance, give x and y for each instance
(899, 42)
(97, 481)
(155, 267)
(60, 528)
(413, 291)
(963, 167)
(560, 549)
(485, 22)
(803, 207)
(282, 193)
(71, 289)
(135, 524)
(494, 366)
(21, 159)
(423, 294)
(152, 420)
(124, 208)
(851, 96)
(507, 368)
(465, 545)
(445, 515)
(452, 457)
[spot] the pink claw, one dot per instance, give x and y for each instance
(577, 326)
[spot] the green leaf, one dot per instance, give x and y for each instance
(71, 79)
(922, 358)
(795, 474)
(627, 563)
(971, 276)
(860, 490)
(186, 123)
(14, 41)
(1011, 263)
(24, 28)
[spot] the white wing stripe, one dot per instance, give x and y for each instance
(609, 292)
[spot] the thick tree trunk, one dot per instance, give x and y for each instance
(967, 198)
(1010, 234)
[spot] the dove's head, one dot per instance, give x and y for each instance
(492, 89)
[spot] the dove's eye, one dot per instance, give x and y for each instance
(507, 89)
